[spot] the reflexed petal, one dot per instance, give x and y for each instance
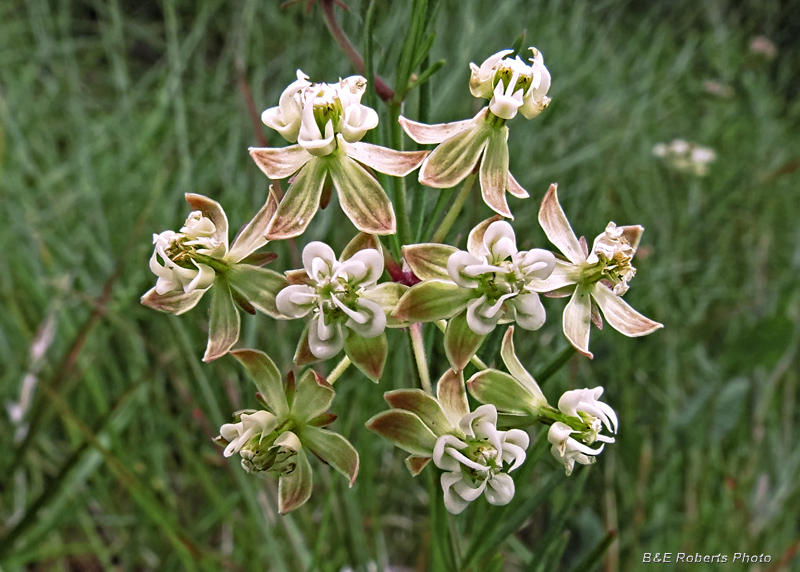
(251, 237)
(556, 226)
(212, 210)
(223, 325)
(577, 320)
(405, 430)
(633, 234)
(294, 488)
(175, 302)
(368, 354)
(318, 250)
(300, 203)
(281, 162)
(432, 300)
(429, 261)
(452, 502)
(564, 274)
(515, 367)
(452, 396)
(515, 188)
(372, 261)
(296, 300)
(503, 391)
(259, 286)
(500, 490)
(416, 464)
(266, 377)
(475, 238)
(422, 405)
(620, 315)
(494, 172)
(456, 265)
(383, 159)
(530, 311)
(362, 198)
(333, 449)
(460, 342)
(431, 134)
(456, 157)
(325, 340)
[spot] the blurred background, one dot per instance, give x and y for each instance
(110, 111)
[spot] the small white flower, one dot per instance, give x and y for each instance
(286, 117)
(251, 425)
(584, 404)
(568, 450)
(687, 157)
(334, 295)
(500, 275)
(479, 462)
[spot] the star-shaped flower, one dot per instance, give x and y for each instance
(328, 122)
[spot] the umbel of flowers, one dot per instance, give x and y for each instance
(348, 301)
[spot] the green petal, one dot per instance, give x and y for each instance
(460, 342)
(259, 286)
(294, 489)
(223, 326)
(429, 261)
(333, 449)
(515, 367)
(361, 197)
(361, 241)
(300, 204)
(367, 354)
(432, 300)
(494, 172)
(422, 405)
(251, 237)
(313, 396)
(452, 395)
(267, 377)
(503, 391)
(387, 295)
(455, 158)
(405, 430)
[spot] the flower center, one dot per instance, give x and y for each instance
(327, 108)
(513, 74)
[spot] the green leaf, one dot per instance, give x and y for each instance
(333, 449)
(223, 326)
(460, 342)
(267, 377)
(367, 354)
(259, 286)
(503, 391)
(313, 396)
(405, 430)
(422, 405)
(429, 261)
(294, 488)
(432, 300)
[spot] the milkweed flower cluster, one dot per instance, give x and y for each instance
(686, 157)
(349, 301)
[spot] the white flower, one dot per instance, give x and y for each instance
(334, 294)
(480, 462)
(259, 423)
(568, 450)
(511, 85)
(174, 258)
(687, 157)
(584, 404)
(285, 119)
(500, 275)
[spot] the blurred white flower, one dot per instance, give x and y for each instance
(480, 462)
(763, 46)
(687, 157)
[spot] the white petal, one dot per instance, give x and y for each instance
(324, 341)
(556, 226)
(467, 490)
(577, 320)
(452, 502)
(620, 315)
(318, 250)
(375, 322)
(296, 300)
(500, 490)
(530, 311)
(456, 264)
(442, 459)
(500, 240)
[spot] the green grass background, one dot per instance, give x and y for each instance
(110, 111)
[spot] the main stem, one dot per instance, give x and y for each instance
(455, 209)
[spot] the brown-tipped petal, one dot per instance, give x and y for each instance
(361, 241)
(333, 449)
(294, 488)
(213, 210)
(577, 321)
(633, 234)
(620, 315)
(475, 238)
(172, 302)
(280, 163)
(432, 300)
(259, 286)
(460, 342)
(405, 430)
(387, 295)
(302, 354)
(455, 158)
(313, 396)
(388, 161)
(223, 324)
(416, 464)
(251, 237)
(494, 172)
(503, 391)
(431, 134)
(556, 226)
(564, 275)
(368, 354)
(515, 367)
(515, 188)
(362, 198)
(429, 261)
(452, 394)
(299, 276)
(300, 204)
(267, 378)
(422, 405)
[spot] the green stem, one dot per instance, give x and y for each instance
(399, 183)
(216, 264)
(455, 209)
(476, 361)
(555, 365)
(418, 345)
(339, 370)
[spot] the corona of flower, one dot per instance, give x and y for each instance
(595, 279)
(327, 122)
(511, 86)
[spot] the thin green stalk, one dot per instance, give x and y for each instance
(399, 183)
(476, 361)
(455, 209)
(438, 209)
(418, 345)
(551, 368)
(339, 370)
